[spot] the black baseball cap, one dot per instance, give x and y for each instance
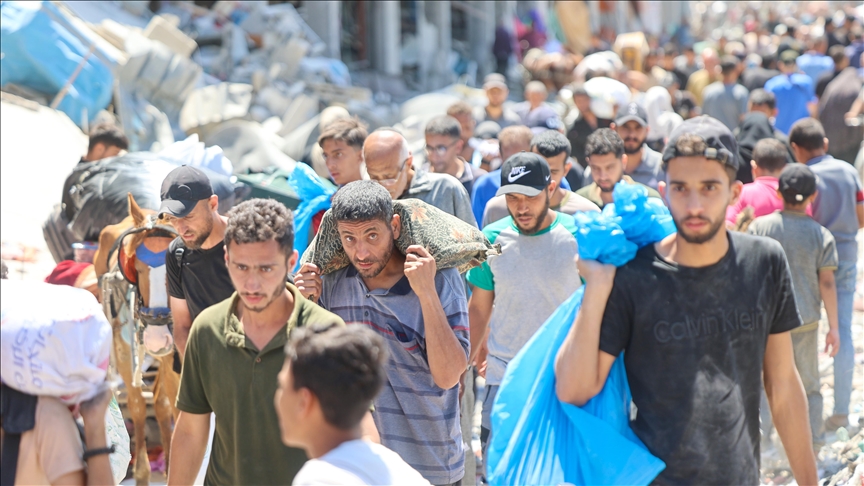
(721, 143)
(524, 173)
(631, 112)
(797, 182)
(182, 190)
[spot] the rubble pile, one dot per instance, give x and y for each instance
(249, 76)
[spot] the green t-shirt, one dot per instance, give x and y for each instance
(225, 373)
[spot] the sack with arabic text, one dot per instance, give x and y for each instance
(54, 340)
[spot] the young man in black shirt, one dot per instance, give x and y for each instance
(195, 262)
(701, 315)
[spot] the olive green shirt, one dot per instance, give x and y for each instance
(224, 373)
(591, 192)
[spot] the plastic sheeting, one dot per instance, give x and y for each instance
(41, 50)
(315, 195)
(537, 439)
(100, 197)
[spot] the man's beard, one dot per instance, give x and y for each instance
(378, 264)
(534, 229)
(605, 189)
(713, 229)
(264, 305)
(196, 245)
(631, 151)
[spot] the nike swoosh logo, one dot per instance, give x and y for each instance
(511, 178)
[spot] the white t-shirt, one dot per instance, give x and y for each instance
(358, 462)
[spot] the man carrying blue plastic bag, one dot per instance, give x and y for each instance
(700, 314)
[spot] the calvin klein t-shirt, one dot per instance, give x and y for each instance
(694, 342)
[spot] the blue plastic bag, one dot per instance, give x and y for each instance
(537, 439)
(643, 219)
(41, 51)
(315, 195)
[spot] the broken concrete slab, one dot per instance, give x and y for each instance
(274, 100)
(214, 104)
(291, 55)
(302, 108)
(163, 30)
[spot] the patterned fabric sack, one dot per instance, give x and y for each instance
(451, 241)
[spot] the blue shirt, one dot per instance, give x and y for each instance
(485, 188)
(835, 205)
(415, 418)
(793, 92)
(814, 65)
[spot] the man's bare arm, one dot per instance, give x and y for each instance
(828, 289)
(188, 445)
(182, 323)
(479, 312)
(789, 407)
(580, 367)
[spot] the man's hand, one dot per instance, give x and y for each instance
(595, 272)
(480, 360)
(93, 410)
(420, 269)
(308, 281)
(832, 340)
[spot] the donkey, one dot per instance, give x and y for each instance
(130, 264)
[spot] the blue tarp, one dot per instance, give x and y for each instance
(536, 438)
(39, 51)
(315, 194)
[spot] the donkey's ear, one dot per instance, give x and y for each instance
(135, 211)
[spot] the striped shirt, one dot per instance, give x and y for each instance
(415, 418)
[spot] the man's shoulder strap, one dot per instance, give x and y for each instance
(178, 249)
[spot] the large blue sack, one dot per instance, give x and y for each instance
(315, 195)
(539, 440)
(41, 52)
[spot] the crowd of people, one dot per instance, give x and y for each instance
(365, 375)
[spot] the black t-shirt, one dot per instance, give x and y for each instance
(694, 342)
(204, 280)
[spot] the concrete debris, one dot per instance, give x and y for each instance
(231, 71)
(164, 29)
(215, 104)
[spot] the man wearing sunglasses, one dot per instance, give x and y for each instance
(443, 145)
(390, 163)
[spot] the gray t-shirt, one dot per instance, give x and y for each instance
(443, 191)
(532, 277)
(414, 416)
(835, 206)
(725, 102)
(496, 209)
(809, 248)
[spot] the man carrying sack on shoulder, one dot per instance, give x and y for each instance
(420, 311)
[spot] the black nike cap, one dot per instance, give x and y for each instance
(524, 173)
